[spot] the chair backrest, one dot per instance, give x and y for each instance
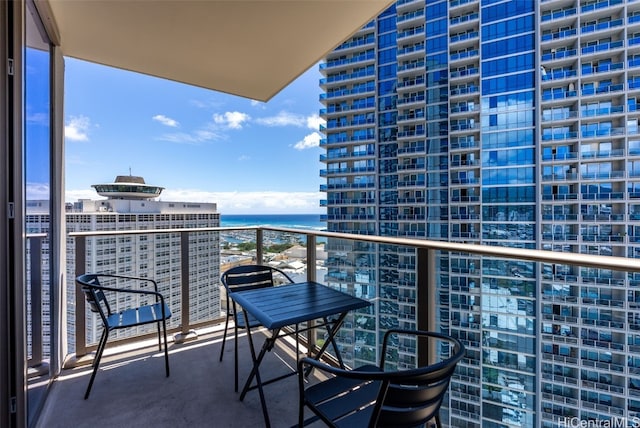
(95, 296)
(247, 277)
(413, 397)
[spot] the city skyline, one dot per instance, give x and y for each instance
(160, 124)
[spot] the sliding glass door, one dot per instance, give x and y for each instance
(37, 150)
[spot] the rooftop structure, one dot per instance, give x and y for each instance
(128, 187)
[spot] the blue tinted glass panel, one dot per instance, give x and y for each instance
(436, 44)
(387, 24)
(387, 40)
(506, 10)
(507, 83)
(437, 61)
(436, 10)
(387, 71)
(386, 56)
(522, 24)
(508, 65)
(436, 28)
(508, 46)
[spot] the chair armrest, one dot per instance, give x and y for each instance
(368, 372)
(129, 290)
(153, 292)
(283, 273)
(133, 278)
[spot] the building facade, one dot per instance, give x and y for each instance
(510, 123)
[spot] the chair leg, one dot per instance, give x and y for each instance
(160, 338)
(96, 361)
(300, 402)
(235, 354)
(224, 336)
(166, 347)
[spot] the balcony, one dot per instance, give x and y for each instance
(200, 388)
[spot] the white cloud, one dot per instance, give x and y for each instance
(283, 118)
(76, 128)
(206, 104)
(37, 191)
(244, 158)
(41, 118)
(167, 121)
(231, 119)
(198, 136)
(75, 195)
(314, 121)
(310, 141)
(269, 202)
(258, 104)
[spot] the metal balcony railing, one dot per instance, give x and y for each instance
(559, 278)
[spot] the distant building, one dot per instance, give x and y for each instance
(131, 205)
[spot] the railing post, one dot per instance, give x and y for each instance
(259, 244)
(185, 332)
(81, 327)
(311, 276)
(311, 257)
(35, 252)
(426, 301)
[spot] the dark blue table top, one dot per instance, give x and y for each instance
(277, 307)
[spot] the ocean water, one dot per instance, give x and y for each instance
(297, 221)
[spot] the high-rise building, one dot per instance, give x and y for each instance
(131, 205)
(496, 122)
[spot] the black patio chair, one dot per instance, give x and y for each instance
(242, 278)
(152, 310)
(371, 396)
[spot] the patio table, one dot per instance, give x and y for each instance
(291, 305)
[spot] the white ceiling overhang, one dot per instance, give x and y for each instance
(250, 48)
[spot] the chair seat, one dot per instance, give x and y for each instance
(241, 322)
(336, 399)
(138, 316)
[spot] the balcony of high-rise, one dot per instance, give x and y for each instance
(451, 207)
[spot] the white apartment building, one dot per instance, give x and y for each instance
(131, 205)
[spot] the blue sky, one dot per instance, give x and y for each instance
(201, 145)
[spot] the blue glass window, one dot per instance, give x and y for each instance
(387, 24)
(508, 28)
(436, 28)
(387, 40)
(387, 87)
(507, 139)
(508, 83)
(436, 44)
(387, 56)
(508, 194)
(508, 46)
(437, 60)
(518, 175)
(436, 10)
(387, 119)
(387, 71)
(492, 158)
(507, 10)
(508, 65)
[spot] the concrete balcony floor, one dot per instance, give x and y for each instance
(131, 390)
